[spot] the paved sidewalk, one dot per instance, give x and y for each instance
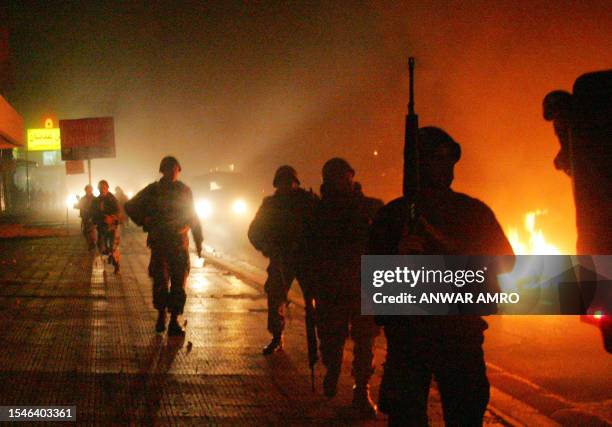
(73, 333)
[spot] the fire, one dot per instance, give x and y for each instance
(536, 244)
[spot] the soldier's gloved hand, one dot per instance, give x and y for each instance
(410, 243)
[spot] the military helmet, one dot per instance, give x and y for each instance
(431, 137)
(336, 167)
(555, 103)
(283, 174)
(169, 162)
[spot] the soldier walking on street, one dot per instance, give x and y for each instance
(166, 211)
(277, 231)
(106, 217)
(88, 228)
(448, 348)
(337, 241)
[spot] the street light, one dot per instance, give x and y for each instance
(239, 207)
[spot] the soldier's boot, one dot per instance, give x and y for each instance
(174, 329)
(362, 403)
(160, 326)
(275, 345)
(330, 382)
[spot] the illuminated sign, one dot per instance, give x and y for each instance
(44, 139)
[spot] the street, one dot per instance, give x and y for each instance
(74, 333)
(556, 364)
(553, 366)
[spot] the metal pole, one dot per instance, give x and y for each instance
(89, 169)
(67, 227)
(27, 179)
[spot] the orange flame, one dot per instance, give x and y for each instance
(536, 243)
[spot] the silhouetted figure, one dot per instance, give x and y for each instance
(448, 348)
(583, 124)
(85, 207)
(166, 211)
(105, 211)
(337, 241)
(277, 231)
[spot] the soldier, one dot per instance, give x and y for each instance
(337, 240)
(583, 124)
(166, 211)
(88, 228)
(277, 231)
(448, 348)
(106, 217)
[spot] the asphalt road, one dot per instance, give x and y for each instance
(551, 362)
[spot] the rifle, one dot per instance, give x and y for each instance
(411, 152)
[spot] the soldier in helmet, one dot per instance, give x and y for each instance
(105, 212)
(337, 241)
(88, 228)
(448, 348)
(277, 231)
(166, 211)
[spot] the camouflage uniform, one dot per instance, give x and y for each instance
(278, 232)
(336, 241)
(88, 228)
(108, 234)
(448, 348)
(166, 211)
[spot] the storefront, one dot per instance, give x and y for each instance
(11, 137)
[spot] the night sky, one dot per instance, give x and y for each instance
(259, 84)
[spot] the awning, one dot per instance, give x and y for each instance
(11, 126)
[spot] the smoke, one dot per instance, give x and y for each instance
(262, 85)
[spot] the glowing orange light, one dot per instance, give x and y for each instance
(536, 243)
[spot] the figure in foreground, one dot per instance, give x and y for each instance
(166, 211)
(448, 348)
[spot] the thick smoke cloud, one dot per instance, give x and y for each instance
(260, 85)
